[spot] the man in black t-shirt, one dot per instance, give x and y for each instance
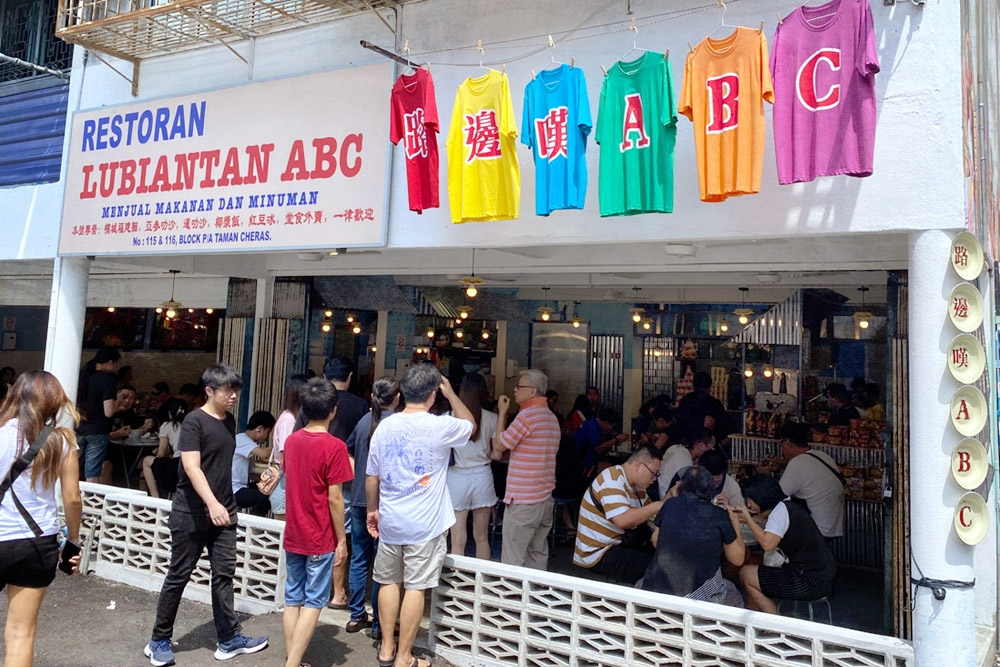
(127, 420)
(96, 401)
(204, 515)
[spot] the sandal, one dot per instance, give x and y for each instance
(360, 624)
(383, 662)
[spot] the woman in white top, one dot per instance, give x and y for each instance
(160, 471)
(28, 562)
(283, 428)
(470, 478)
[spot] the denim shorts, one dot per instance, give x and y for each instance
(93, 449)
(308, 580)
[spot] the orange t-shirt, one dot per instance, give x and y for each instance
(725, 81)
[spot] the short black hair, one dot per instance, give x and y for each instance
(161, 388)
(551, 393)
(318, 398)
(221, 375)
(796, 433)
(128, 387)
(645, 453)
(419, 382)
(763, 490)
(189, 389)
(713, 461)
(260, 418)
(338, 368)
(699, 435)
(106, 354)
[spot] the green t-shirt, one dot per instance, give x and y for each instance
(637, 130)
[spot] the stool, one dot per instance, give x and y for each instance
(559, 531)
(811, 604)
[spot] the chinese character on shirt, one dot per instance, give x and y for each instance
(552, 131)
(416, 134)
(482, 136)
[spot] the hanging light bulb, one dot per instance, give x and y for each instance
(768, 371)
(471, 291)
(430, 332)
(743, 313)
(328, 313)
(350, 317)
(458, 323)
(637, 311)
(724, 326)
(464, 313)
(191, 310)
(459, 334)
(374, 349)
(209, 311)
(171, 313)
(748, 371)
(471, 282)
(577, 321)
(486, 334)
(325, 328)
(159, 310)
(356, 329)
(545, 313)
(111, 309)
(862, 316)
(647, 323)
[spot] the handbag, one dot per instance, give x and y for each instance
(16, 469)
(270, 477)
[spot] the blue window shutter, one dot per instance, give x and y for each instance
(32, 127)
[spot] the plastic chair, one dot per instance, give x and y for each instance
(811, 605)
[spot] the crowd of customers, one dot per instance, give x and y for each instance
(373, 492)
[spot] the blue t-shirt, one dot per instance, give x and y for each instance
(555, 125)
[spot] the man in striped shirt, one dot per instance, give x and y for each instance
(615, 503)
(533, 440)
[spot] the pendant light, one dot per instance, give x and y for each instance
(748, 371)
(577, 320)
(356, 329)
(637, 311)
(544, 312)
(743, 313)
(471, 282)
(171, 305)
(863, 317)
(723, 326)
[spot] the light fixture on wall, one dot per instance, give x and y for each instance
(171, 305)
(545, 312)
(743, 313)
(637, 312)
(862, 316)
(471, 282)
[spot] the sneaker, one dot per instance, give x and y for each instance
(240, 645)
(159, 653)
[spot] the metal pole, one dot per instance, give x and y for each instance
(37, 68)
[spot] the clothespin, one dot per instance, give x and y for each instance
(503, 67)
(666, 54)
(552, 44)
(722, 5)
(406, 48)
(690, 47)
(572, 61)
(632, 28)
(604, 69)
(427, 66)
(533, 75)
(479, 46)
(760, 30)
(779, 18)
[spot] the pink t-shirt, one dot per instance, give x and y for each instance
(283, 428)
(823, 64)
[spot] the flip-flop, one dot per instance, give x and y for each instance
(337, 605)
(416, 661)
(360, 624)
(383, 662)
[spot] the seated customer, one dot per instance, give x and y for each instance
(691, 537)
(595, 437)
(810, 569)
(127, 421)
(160, 471)
(726, 488)
(678, 457)
(614, 505)
(253, 442)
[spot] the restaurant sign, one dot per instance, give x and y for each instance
(298, 163)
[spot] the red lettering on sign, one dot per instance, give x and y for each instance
(963, 411)
(966, 523)
(964, 464)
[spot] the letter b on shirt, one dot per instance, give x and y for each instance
(723, 103)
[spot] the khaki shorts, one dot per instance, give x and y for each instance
(416, 566)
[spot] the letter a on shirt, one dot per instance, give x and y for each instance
(726, 82)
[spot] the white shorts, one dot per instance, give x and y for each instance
(471, 488)
(416, 566)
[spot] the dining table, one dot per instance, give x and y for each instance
(132, 450)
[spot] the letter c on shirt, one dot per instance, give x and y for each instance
(805, 81)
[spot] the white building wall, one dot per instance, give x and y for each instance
(917, 182)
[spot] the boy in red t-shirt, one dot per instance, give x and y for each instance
(315, 464)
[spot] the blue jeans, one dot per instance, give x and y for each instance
(363, 548)
(93, 448)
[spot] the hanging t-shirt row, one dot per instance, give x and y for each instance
(823, 92)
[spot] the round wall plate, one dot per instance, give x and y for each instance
(968, 411)
(969, 463)
(966, 358)
(965, 307)
(967, 256)
(972, 518)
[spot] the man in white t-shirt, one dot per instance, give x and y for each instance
(813, 477)
(252, 443)
(678, 457)
(409, 507)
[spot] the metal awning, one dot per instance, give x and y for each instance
(363, 293)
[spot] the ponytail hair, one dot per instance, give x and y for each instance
(384, 392)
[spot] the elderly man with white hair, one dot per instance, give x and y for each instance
(533, 440)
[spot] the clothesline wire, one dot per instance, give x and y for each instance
(567, 36)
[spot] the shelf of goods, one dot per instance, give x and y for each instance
(862, 466)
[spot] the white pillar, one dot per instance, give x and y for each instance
(67, 310)
(943, 630)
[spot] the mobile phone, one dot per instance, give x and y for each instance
(69, 550)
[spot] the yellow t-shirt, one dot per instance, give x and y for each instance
(483, 178)
(726, 82)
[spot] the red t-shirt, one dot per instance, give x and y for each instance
(313, 462)
(415, 121)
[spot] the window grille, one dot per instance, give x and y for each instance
(27, 31)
